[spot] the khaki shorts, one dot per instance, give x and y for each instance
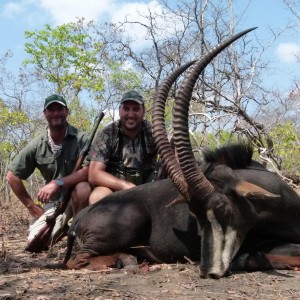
(61, 220)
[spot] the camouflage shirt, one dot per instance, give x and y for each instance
(124, 156)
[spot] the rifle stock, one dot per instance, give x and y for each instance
(41, 241)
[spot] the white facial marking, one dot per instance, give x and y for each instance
(218, 238)
(231, 246)
(225, 245)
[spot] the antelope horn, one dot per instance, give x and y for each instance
(197, 182)
(160, 134)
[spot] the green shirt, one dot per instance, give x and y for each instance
(38, 154)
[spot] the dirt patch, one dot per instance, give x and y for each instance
(25, 276)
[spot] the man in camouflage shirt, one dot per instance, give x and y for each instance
(123, 154)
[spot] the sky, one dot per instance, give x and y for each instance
(17, 16)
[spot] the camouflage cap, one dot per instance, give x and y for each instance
(133, 96)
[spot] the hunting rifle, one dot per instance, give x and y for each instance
(42, 240)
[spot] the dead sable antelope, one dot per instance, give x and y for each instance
(222, 215)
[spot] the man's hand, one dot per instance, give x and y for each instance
(46, 192)
(127, 185)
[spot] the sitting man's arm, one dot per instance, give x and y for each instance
(99, 177)
(46, 192)
(104, 182)
(20, 191)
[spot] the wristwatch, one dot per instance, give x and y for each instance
(59, 182)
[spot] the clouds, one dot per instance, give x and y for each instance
(34, 14)
(12, 9)
(37, 13)
(139, 21)
(63, 11)
(137, 14)
(57, 12)
(288, 52)
(16, 9)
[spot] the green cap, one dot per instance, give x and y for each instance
(133, 96)
(55, 99)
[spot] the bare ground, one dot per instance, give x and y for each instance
(25, 276)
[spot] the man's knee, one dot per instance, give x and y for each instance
(80, 196)
(99, 193)
(82, 188)
(81, 193)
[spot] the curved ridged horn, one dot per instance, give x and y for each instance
(159, 130)
(197, 182)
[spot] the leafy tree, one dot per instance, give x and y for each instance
(81, 61)
(66, 56)
(230, 93)
(13, 124)
(287, 147)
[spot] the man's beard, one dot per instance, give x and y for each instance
(57, 123)
(133, 126)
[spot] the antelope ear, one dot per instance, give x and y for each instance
(250, 190)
